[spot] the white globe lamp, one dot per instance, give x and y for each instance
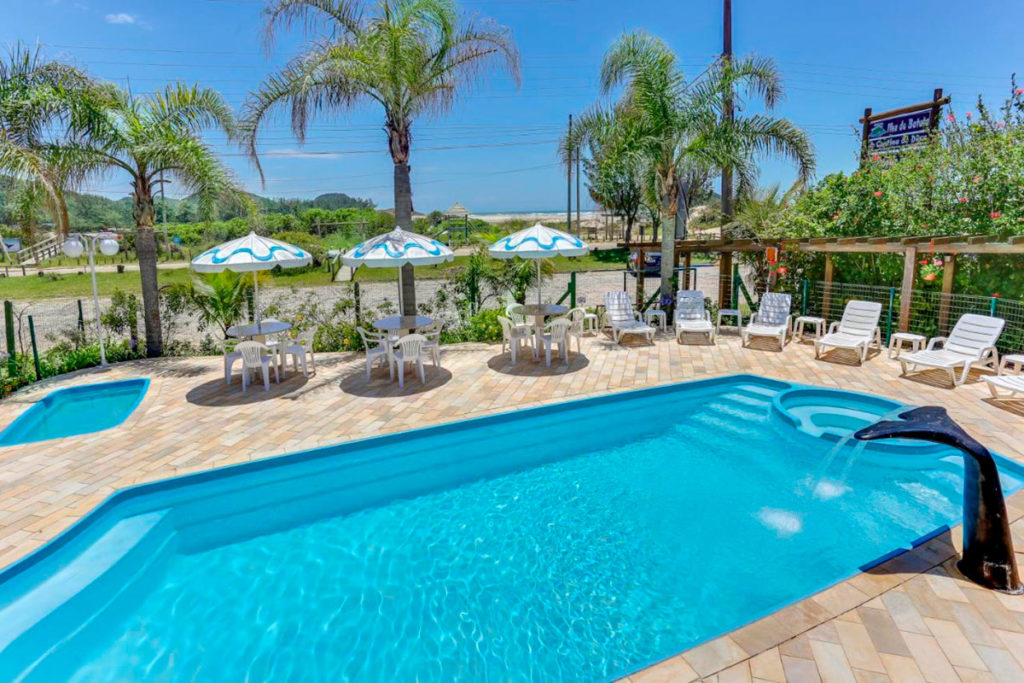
(109, 246)
(73, 247)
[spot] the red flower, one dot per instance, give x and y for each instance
(878, 193)
(781, 270)
(929, 277)
(1019, 91)
(1000, 124)
(875, 157)
(995, 214)
(924, 262)
(951, 118)
(835, 216)
(977, 178)
(995, 295)
(969, 114)
(962, 200)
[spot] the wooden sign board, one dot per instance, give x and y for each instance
(888, 132)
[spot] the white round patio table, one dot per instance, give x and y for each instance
(539, 312)
(401, 324)
(258, 330)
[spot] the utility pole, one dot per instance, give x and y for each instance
(727, 109)
(568, 186)
(579, 223)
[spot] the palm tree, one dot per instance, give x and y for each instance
(37, 103)
(155, 139)
(683, 136)
(412, 57)
(613, 162)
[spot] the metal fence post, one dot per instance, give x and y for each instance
(35, 347)
(888, 323)
(12, 361)
(572, 289)
(81, 317)
(992, 306)
(803, 300)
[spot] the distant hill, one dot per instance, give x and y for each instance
(90, 211)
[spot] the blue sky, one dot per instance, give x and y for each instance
(496, 150)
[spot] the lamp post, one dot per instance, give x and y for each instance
(73, 247)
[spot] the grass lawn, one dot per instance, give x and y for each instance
(74, 285)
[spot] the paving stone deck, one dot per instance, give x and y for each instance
(912, 619)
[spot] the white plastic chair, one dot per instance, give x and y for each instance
(972, 342)
(858, 330)
(518, 318)
(577, 317)
(772, 319)
(409, 349)
(378, 348)
(230, 358)
(558, 333)
(433, 344)
(513, 336)
(691, 315)
(299, 349)
(622, 318)
(256, 356)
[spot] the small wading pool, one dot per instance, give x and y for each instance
(76, 410)
(582, 541)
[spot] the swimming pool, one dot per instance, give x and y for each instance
(76, 410)
(583, 540)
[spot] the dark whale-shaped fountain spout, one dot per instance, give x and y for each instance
(988, 548)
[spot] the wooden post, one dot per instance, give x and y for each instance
(865, 130)
(687, 260)
(725, 280)
(640, 269)
(946, 298)
(826, 298)
(933, 115)
(907, 286)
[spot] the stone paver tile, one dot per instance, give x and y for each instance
(902, 669)
(957, 648)
(974, 626)
(738, 673)
(673, 670)
(993, 611)
(1002, 664)
(767, 666)
(857, 645)
(903, 612)
(715, 655)
(797, 647)
(930, 659)
(974, 676)
(763, 634)
(862, 676)
(882, 630)
(832, 663)
(1014, 642)
(800, 670)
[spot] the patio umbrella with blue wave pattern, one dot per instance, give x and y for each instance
(395, 249)
(538, 242)
(251, 253)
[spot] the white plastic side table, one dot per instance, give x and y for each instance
(1009, 360)
(652, 313)
(897, 340)
(727, 312)
(803, 320)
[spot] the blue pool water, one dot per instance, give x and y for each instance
(576, 542)
(76, 410)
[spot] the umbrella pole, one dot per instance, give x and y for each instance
(256, 299)
(538, 282)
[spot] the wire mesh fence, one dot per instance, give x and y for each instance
(931, 313)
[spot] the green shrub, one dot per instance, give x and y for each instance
(482, 327)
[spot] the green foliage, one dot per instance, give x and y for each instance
(122, 315)
(311, 243)
(482, 327)
(969, 179)
(219, 298)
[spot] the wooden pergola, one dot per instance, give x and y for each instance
(950, 246)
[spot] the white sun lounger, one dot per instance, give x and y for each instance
(1012, 383)
(972, 342)
(691, 315)
(771, 320)
(857, 330)
(622, 318)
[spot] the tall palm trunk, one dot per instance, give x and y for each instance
(669, 204)
(398, 138)
(145, 248)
